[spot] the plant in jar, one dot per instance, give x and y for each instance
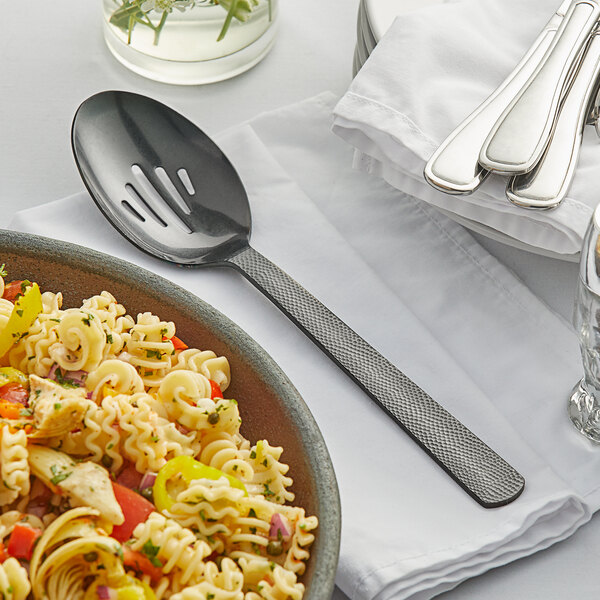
(154, 14)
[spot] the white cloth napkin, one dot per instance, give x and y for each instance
(431, 69)
(420, 289)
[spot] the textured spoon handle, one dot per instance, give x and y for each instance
(473, 465)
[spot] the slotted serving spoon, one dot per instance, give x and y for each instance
(170, 190)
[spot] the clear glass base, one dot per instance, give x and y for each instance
(243, 47)
(584, 412)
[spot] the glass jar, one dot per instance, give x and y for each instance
(196, 42)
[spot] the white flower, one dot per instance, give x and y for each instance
(166, 5)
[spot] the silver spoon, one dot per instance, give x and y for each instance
(169, 189)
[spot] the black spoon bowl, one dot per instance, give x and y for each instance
(170, 190)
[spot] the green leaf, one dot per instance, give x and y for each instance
(121, 17)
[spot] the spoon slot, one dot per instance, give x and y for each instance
(139, 206)
(170, 187)
(186, 181)
(132, 210)
(156, 203)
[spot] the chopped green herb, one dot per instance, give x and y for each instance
(109, 338)
(57, 406)
(58, 476)
(154, 354)
(19, 311)
(151, 551)
(61, 378)
(3, 272)
(25, 412)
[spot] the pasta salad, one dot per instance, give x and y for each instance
(123, 472)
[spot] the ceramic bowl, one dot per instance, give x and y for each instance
(270, 406)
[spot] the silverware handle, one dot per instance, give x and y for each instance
(547, 184)
(472, 464)
(518, 139)
(454, 167)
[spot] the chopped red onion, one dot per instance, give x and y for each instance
(181, 428)
(61, 375)
(147, 480)
(103, 592)
(37, 510)
(129, 477)
(280, 528)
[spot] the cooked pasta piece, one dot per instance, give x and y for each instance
(14, 582)
(177, 547)
(270, 478)
(149, 349)
(224, 584)
(14, 467)
(205, 362)
(114, 377)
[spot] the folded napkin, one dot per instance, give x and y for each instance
(431, 69)
(420, 289)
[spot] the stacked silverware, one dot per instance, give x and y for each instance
(531, 127)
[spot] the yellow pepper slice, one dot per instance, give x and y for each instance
(130, 589)
(137, 591)
(189, 469)
(27, 307)
(12, 375)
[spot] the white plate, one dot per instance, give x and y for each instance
(380, 14)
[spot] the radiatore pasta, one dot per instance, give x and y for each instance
(124, 475)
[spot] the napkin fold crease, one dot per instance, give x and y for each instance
(421, 290)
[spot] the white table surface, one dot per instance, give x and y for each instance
(52, 57)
